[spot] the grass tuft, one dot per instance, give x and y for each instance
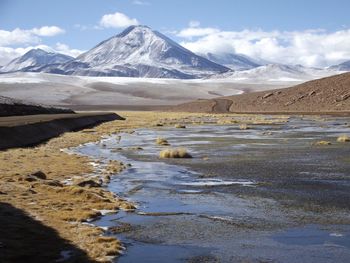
(243, 126)
(180, 126)
(343, 138)
(175, 153)
(162, 141)
(322, 143)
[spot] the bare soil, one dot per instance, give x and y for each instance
(326, 95)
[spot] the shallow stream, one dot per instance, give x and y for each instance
(217, 208)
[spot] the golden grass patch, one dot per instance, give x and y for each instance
(322, 143)
(243, 126)
(162, 141)
(343, 138)
(180, 126)
(175, 153)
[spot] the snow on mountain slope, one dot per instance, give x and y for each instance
(141, 52)
(58, 89)
(34, 59)
(345, 66)
(277, 73)
(232, 61)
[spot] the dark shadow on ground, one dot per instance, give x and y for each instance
(24, 239)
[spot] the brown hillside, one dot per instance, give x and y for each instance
(331, 94)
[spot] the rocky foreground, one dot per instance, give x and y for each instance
(326, 95)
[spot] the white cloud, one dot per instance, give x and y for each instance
(17, 36)
(17, 42)
(48, 31)
(65, 49)
(9, 53)
(195, 31)
(317, 48)
(139, 2)
(117, 20)
(27, 36)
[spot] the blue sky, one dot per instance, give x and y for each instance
(80, 21)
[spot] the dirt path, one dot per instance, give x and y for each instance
(222, 105)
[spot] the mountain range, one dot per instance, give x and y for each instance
(277, 72)
(233, 61)
(345, 66)
(142, 52)
(34, 60)
(136, 52)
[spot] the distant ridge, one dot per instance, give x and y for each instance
(277, 73)
(345, 66)
(34, 60)
(232, 61)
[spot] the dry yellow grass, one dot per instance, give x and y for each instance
(226, 121)
(175, 153)
(243, 126)
(343, 138)
(162, 141)
(63, 207)
(322, 143)
(180, 126)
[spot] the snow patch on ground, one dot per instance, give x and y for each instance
(65, 255)
(81, 90)
(217, 182)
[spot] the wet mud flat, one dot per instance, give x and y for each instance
(262, 193)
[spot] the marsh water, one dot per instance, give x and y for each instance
(264, 194)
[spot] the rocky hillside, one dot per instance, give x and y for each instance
(331, 94)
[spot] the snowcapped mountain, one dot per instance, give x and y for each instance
(34, 60)
(345, 66)
(140, 52)
(233, 61)
(277, 73)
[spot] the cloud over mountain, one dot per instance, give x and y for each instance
(317, 48)
(117, 20)
(26, 36)
(48, 31)
(16, 42)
